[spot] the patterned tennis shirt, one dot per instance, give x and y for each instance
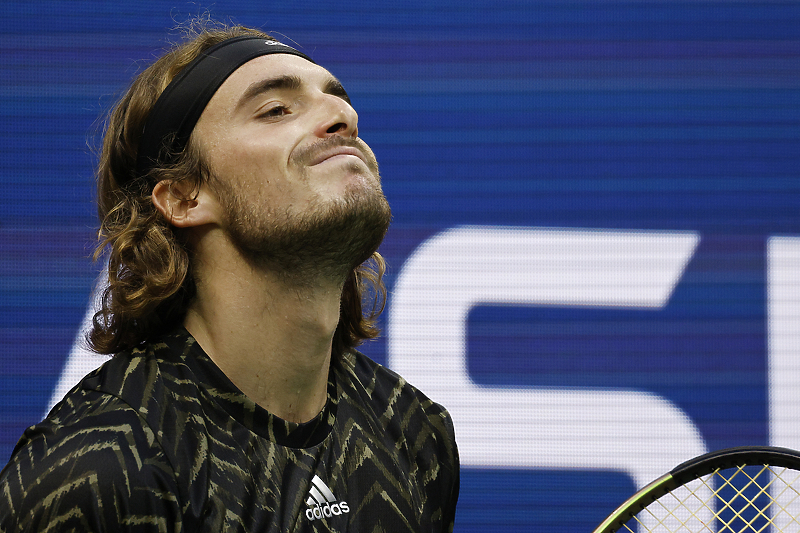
(159, 439)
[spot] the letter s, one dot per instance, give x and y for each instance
(540, 427)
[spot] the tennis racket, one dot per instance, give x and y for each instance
(745, 489)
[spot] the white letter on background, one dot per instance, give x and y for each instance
(783, 319)
(81, 359)
(783, 312)
(636, 432)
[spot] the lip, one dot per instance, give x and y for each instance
(338, 151)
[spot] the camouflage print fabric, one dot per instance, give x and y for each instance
(160, 440)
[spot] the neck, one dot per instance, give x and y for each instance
(270, 334)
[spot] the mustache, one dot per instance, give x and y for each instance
(307, 154)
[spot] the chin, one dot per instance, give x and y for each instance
(329, 238)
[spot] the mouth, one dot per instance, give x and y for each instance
(338, 152)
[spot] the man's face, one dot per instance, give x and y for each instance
(281, 140)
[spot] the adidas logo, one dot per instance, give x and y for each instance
(322, 503)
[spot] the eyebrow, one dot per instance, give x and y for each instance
(269, 84)
(289, 82)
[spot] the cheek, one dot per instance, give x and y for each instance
(258, 152)
(251, 162)
(262, 172)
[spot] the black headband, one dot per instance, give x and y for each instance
(179, 107)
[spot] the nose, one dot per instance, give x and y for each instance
(339, 118)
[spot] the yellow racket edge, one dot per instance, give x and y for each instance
(696, 468)
(635, 503)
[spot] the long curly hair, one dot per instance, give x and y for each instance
(150, 282)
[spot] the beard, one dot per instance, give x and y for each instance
(329, 239)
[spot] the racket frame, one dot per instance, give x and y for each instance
(694, 469)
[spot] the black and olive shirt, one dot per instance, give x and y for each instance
(159, 439)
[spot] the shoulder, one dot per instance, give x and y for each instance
(156, 382)
(107, 406)
(397, 402)
(417, 431)
(102, 445)
(75, 466)
(147, 376)
(383, 385)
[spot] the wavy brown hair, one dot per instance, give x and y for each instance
(150, 283)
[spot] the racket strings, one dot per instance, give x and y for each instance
(760, 520)
(787, 483)
(784, 488)
(678, 510)
(752, 499)
(776, 502)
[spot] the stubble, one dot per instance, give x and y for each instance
(330, 238)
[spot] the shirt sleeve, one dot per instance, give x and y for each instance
(95, 467)
(449, 508)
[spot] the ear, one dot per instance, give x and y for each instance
(184, 208)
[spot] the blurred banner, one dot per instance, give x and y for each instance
(595, 254)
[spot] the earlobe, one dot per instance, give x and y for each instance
(180, 209)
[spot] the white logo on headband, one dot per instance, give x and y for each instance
(273, 43)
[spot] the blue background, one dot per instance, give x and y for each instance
(621, 115)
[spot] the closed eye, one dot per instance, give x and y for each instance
(274, 112)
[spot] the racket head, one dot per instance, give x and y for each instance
(747, 488)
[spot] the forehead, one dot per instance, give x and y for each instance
(269, 67)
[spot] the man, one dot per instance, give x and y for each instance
(238, 207)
